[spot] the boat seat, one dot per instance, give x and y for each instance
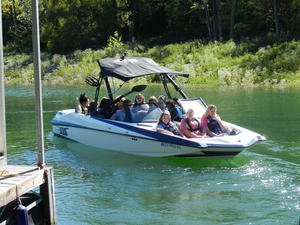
(197, 104)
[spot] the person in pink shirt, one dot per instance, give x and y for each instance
(211, 123)
(190, 126)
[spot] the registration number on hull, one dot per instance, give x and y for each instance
(169, 145)
(62, 130)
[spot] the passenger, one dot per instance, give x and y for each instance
(120, 113)
(166, 126)
(82, 104)
(177, 104)
(92, 109)
(190, 126)
(162, 98)
(211, 123)
(161, 103)
(105, 110)
(139, 108)
(175, 110)
(152, 103)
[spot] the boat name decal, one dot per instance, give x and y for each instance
(63, 131)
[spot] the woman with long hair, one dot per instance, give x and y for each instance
(166, 126)
(139, 109)
(211, 123)
(82, 104)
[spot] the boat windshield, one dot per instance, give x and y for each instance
(195, 103)
(151, 117)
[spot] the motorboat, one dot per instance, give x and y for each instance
(140, 137)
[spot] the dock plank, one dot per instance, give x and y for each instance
(18, 180)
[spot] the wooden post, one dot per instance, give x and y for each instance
(48, 196)
(3, 158)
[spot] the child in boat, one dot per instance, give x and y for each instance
(82, 104)
(211, 123)
(190, 126)
(166, 126)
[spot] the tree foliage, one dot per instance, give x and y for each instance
(67, 25)
(17, 22)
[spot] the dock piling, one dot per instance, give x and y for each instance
(47, 192)
(3, 152)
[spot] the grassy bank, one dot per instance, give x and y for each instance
(228, 64)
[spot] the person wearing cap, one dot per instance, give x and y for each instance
(166, 126)
(120, 113)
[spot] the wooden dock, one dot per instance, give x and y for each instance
(16, 181)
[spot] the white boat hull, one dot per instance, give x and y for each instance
(142, 139)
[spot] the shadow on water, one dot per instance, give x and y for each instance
(97, 156)
(198, 163)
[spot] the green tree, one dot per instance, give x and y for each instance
(69, 25)
(17, 23)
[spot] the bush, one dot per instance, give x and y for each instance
(115, 45)
(214, 63)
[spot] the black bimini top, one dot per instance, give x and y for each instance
(132, 67)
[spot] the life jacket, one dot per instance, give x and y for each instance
(213, 125)
(189, 127)
(170, 127)
(176, 113)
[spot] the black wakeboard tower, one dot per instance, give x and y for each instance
(127, 68)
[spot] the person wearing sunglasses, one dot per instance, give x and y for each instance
(139, 109)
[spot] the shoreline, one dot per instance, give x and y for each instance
(84, 85)
(214, 64)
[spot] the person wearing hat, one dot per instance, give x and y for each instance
(120, 113)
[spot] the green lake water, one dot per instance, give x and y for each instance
(259, 186)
